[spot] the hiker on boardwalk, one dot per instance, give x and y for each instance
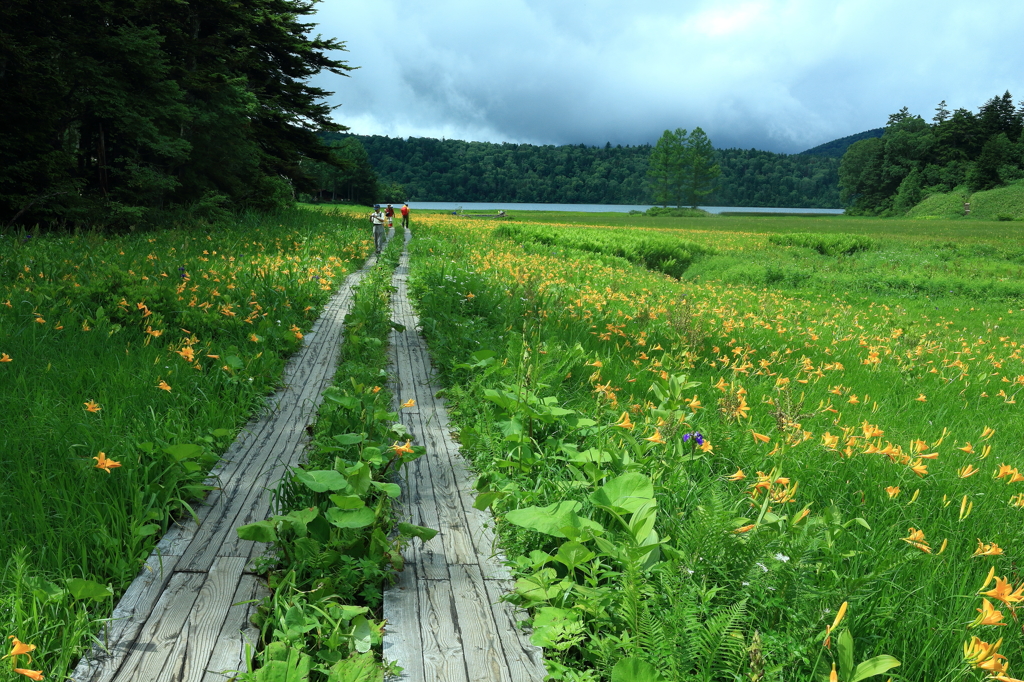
(390, 215)
(405, 216)
(377, 218)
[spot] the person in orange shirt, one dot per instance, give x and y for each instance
(405, 216)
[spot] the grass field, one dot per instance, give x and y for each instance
(695, 477)
(127, 364)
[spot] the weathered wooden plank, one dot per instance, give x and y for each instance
(161, 642)
(402, 642)
(481, 644)
(443, 658)
(524, 660)
(230, 649)
(119, 632)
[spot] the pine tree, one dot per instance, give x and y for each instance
(665, 168)
(700, 172)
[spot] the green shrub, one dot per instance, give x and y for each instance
(660, 212)
(825, 244)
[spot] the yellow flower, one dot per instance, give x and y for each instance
(759, 436)
(4, 357)
(893, 491)
(987, 433)
(744, 529)
(1004, 592)
(375, 389)
(921, 399)
(916, 539)
(624, 421)
(403, 449)
(409, 403)
(92, 406)
(106, 464)
(19, 648)
(738, 476)
(969, 449)
(969, 470)
(164, 386)
(656, 438)
(983, 655)
(989, 615)
(919, 468)
(833, 676)
(987, 550)
(31, 674)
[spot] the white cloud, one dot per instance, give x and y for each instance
(776, 74)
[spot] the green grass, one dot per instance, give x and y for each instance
(594, 337)
(85, 318)
(1002, 203)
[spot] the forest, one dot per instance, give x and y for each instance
(428, 169)
(958, 151)
(123, 112)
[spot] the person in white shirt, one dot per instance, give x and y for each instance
(377, 218)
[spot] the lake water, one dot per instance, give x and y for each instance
(594, 208)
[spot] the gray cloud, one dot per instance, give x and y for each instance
(782, 75)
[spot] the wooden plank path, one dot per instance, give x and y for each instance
(185, 618)
(444, 620)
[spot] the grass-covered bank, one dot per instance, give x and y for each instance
(128, 364)
(694, 478)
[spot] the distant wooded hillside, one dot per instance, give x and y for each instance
(453, 170)
(836, 148)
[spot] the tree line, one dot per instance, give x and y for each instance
(427, 169)
(957, 151)
(118, 111)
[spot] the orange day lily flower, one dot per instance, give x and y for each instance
(1004, 592)
(403, 449)
(916, 539)
(106, 464)
(983, 655)
(738, 476)
(759, 436)
(163, 385)
(989, 615)
(987, 550)
(4, 357)
(921, 399)
(892, 491)
(92, 406)
(624, 421)
(36, 675)
(19, 648)
(409, 403)
(969, 470)
(987, 433)
(656, 438)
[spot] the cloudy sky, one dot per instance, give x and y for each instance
(782, 75)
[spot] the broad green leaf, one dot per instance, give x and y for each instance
(147, 530)
(221, 433)
(41, 589)
(360, 518)
(234, 362)
(389, 489)
(362, 635)
(183, 451)
(627, 492)
(572, 554)
(485, 499)
(550, 623)
(261, 531)
(635, 670)
(80, 588)
(293, 666)
(412, 531)
(844, 645)
(359, 478)
(553, 519)
(348, 501)
(322, 481)
(349, 438)
(874, 666)
(361, 668)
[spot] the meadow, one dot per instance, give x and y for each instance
(127, 365)
(737, 476)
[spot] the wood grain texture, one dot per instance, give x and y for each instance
(457, 577)
(185, 618)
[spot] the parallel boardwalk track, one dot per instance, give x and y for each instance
(186, 617)
(445, 620)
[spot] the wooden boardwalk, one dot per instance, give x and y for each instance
(185, 618)
(445, 623)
